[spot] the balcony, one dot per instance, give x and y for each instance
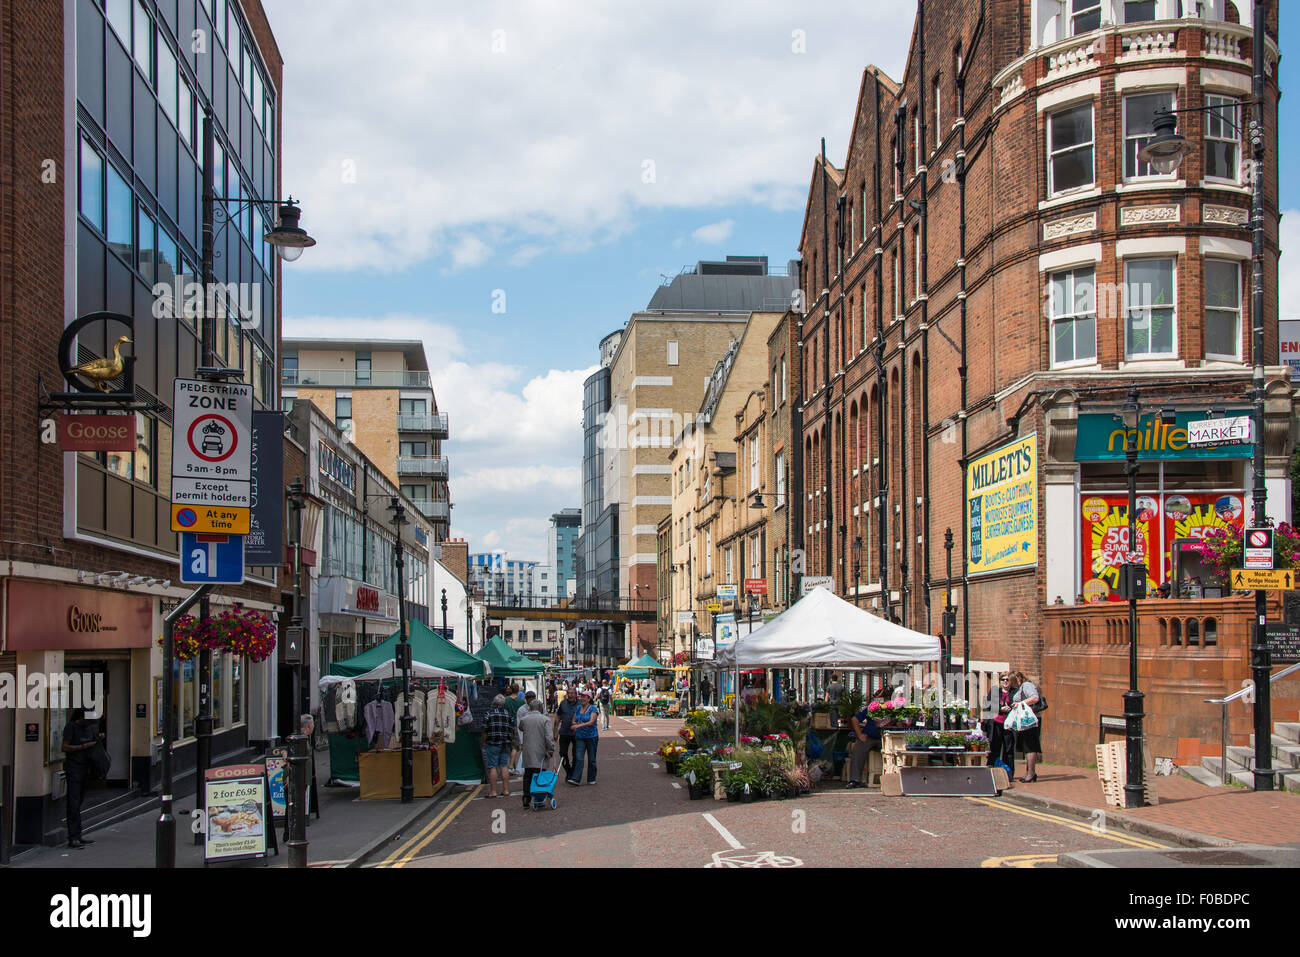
(347, 378)
(431, 466)
(434, 423)
(435, 511)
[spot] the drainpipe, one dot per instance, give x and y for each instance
(826, 370)
(882, 469)
(925, 316)
(900, 124)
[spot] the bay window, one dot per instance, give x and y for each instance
(1139, 117)
(1222, 134)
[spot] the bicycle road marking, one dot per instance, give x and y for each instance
(418, 843)
(1072, 824)
(726, 835)
(1019, 860)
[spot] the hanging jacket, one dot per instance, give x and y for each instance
(345, 706)
(417, 716)
(379, 722)
(440, 714)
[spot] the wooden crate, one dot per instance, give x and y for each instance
(821, 721)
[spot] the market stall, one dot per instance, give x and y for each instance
(442, 682)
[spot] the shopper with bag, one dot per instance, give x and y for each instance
(1002, 743)
(1023, 720)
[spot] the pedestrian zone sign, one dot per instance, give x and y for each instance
(212, 461)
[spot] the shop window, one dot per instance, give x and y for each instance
(1070, 150)
(1222, 309)
(1139, 117)
(1222, 135)
(1073, 312)
(1150, 310)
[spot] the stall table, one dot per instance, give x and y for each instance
(896, 755)
(381, 773)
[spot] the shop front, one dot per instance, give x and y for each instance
(354, 616)
(68, 647)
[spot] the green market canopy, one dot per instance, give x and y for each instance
(506, 662)
(427, 648)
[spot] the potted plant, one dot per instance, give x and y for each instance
(800, 781)
(976, 741)
(920, 741)
(671, 751)
(744, 782)
(698, 773)
(850, 704)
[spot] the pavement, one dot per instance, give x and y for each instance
(1186, 812)
(347, 832)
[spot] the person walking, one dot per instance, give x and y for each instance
(562, 727)
(79, 739)
(537, 743)
(586, 737)
(514, 702)
(1030, 740)
(498, 739)
(606, 702)
(834, 692)
(705, 692)
(552, 698)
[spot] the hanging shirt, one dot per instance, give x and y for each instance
(345, 706)
(379, 721)
(440, 714)
(417, 716)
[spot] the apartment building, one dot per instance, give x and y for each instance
(562, 548)
(991, 273)
(378, 393)
(659, 373)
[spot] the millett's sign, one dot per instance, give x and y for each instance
(1017, 462)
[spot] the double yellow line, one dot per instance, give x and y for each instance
(406, 852)
(1110, 835)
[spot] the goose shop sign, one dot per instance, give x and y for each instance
(97, 433)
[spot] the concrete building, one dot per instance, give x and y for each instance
(659, 372)
(562, 547)
(989, 274)
(102, 112)
(377, 391)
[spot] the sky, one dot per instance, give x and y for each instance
(509, 181)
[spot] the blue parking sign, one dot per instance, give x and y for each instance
(212, 559)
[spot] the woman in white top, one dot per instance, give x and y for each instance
(1030, 740)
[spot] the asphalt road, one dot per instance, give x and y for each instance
(638, 816)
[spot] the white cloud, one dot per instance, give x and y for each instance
(714, 233)
(409, 139)
(1288, 270)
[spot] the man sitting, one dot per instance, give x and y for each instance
(868, 739)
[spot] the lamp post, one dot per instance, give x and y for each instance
(404, 650)
(950, 619)
(1133, 584)
(445, 635)
(1165, 152)
(299, 757)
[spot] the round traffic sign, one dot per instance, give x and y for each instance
(1258, 539)
(212, 437)
(187, 517)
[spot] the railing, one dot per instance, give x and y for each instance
(438, 511)
(376, 379)
(593, 605)
(1223, 718)
(435, 422)
(432, 466)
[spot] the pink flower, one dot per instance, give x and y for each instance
(874, 706)
(899, 702)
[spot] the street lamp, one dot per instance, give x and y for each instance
(1133, 579)
(1166, 152)
(404, 653)
(445, 635)
(857, 567)
(305, 509)
(950, 617)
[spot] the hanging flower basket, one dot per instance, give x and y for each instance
(238, 630)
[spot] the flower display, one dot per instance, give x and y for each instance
(671, 750)
(1220, 548)
(749, 739)
(238, 630)
(873, 707)
(687, 733)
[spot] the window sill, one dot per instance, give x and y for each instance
(1223, 362)
(1226, 186)
(1149, 183)
(1154, 364)
(1091, 365)
(1067, 198)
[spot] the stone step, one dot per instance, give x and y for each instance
(1200, 774)
(1288, 779)
(1287, 731)
(1213, 765)
(1240, 757)
(1286, 755)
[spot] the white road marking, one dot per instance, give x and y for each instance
(924, 831)
(726, 835)
(675, 784)
(619, 733)
(653, 765)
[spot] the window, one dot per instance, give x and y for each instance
(754, 473)
(119, 17)
(708, 552)
(343, 411)
(1222, 309)
(1139, 11)
(938, 112)
(1073, 310)
(143, 40)
(1222, 133)
(92, 184)
(120, 206)
(780, 479)
(144, 245)
(408, 449)
(1139, 115)
(1069, 150)
(1085, 16)
(167, 81)
(755, 558)
(893, 150)
(248, 74)
(412, 406)
(672, 352)
(289, 373)
(1149, 303)
(916, 141)
(258, 97)
(727, 564)
(898, 285)
(363, 368)
(165, 259)
(185, 111)
(916, 245)
(863, 207)
(783, 379)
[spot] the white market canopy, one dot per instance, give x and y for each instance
(822, 630)
(389, 670)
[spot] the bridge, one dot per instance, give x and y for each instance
(530, 608)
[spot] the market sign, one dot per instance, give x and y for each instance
(756, 586)
(236, 806)
(810, 582)
(1215, 432)
(211, 454)
(97, 433)
(1100, 438)
(1002, 502)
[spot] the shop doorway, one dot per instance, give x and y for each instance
(7, 728)
(114, 722)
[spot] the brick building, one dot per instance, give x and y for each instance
(101, 108)
(988, 274)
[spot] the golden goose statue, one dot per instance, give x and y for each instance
(103, 371)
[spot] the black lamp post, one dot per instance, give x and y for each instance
(857, 567)
(298, 745)
(950, 618)
(1132, 586)
(1165, 152)
(404, 653)
(445, 635)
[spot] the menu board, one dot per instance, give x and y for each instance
(1161, 519)
(236, 806)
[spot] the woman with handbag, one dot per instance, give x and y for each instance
(1002, 743)
(1028, 737)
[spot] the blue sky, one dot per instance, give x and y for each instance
(560, 159)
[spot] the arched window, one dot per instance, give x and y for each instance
(1193, 632)
(1210, 636)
